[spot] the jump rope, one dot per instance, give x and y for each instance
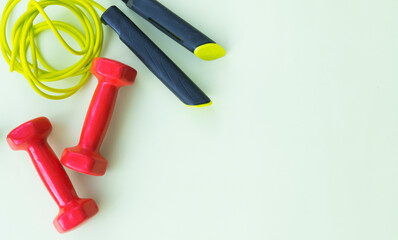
(24, 33)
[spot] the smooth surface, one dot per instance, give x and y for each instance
(209, 51)
(301, 142)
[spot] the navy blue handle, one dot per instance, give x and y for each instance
(169, 23)
(165, 69)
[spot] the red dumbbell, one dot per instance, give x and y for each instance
(85, 157)
(32, 137)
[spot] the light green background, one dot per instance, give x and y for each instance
(301, 142)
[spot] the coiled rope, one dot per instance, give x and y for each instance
(23, 36)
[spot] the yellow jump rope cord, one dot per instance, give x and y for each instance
(23, 36)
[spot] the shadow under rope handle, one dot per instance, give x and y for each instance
(157, 61)
(176, 28)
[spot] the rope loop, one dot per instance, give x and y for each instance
(25, 32)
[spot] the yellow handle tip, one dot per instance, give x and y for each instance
(201, 105)
(209, 51)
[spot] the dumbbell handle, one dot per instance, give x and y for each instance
(98, 116)
(52, 173)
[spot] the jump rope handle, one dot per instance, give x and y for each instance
(157, 61)
(176, 28)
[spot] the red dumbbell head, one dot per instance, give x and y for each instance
(116, 73)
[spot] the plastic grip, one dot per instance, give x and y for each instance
(157, 61)
(169, 23)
